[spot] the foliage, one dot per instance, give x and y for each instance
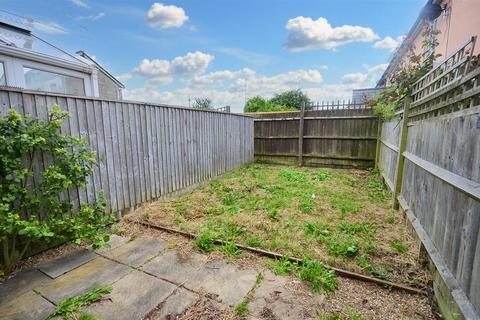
(283, 266)
(320, 278)
(37, 212)
(69, 308)
(230, 249)
(203, 103)
(205, 242)
(401, 247)
(343, 244)
(259, 104)
(242, 308)
(292, 99)
(406, 74)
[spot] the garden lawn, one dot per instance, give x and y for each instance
(341, 217)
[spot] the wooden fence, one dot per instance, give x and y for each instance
(339, 135)
(144, 151)
(431, 162)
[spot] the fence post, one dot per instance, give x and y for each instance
(300, 135)
(379, 137)
(401, 149)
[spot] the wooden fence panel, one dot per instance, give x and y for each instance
(339, 137)
(389, 144)
(143, 151)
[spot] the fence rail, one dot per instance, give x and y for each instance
(144, 151)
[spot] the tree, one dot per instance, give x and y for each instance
(36, 213)
(292, 99)
(203, 103)
(259, 104)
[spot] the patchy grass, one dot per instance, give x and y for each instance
(341, 217)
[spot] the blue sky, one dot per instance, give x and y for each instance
(228, 50)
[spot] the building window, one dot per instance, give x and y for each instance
(3, 79)
(53, 82)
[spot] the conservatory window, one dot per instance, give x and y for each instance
(40, 80)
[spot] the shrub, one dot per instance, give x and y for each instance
(259, 104)
(37, 213)
(292, 99)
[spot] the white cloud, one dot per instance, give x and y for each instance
(161, 71)
(49, 27)
(365, 79)
(219, 77)
(92, 17)
(307, 34)
(79, 3)
(166, 16)
(389, 43)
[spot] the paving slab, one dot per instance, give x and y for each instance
(21, 283)
(279, 297)
(114, 242)
(225, 281)
(67, 262)
(28, 306)
(132, 297)
(174, 267)
(135, 253)
(94, 274)
(177, 304)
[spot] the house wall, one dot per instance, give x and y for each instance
(107, 88)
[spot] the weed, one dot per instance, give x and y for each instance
(293, 175)
(259, 278)
(230, 249)
(205, 242)
(70, 307)
(232, 230)
(306, 206)
(254, 241)
(390, 218)
(344, 203)
(329, 316)
(364, 264)
(322, 176)
(374, 171)
(87, 316)
(319, 277)
(317, 229)
(353, 315)
(342, 244)
(230, 199)
(180, 207)
(283, 266)
(241, 309)
(354, 228)
(398, 246)
(382, 273)
(273, 214)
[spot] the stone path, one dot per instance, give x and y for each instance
(147, 278)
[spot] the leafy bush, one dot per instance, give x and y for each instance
(36, 213)
(292, 99)
(259, 104)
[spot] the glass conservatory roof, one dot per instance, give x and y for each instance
(17, 32)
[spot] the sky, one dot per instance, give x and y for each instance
(229, 50)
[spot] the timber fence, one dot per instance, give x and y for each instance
(429, 156)
(144, 151)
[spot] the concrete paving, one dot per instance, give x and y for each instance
(146, 279)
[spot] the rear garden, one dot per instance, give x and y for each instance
(328, 217)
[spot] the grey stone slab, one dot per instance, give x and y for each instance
(21, 283)
(132, 297)
(67, 262)
(94, 274)
(176, 304)
(135, 253)
(174, 267)
(28, 306)
(114, 242)
(281, 297)
(226, 281)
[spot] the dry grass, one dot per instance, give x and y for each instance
(341, 217)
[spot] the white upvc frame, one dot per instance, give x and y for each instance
(14, 60)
